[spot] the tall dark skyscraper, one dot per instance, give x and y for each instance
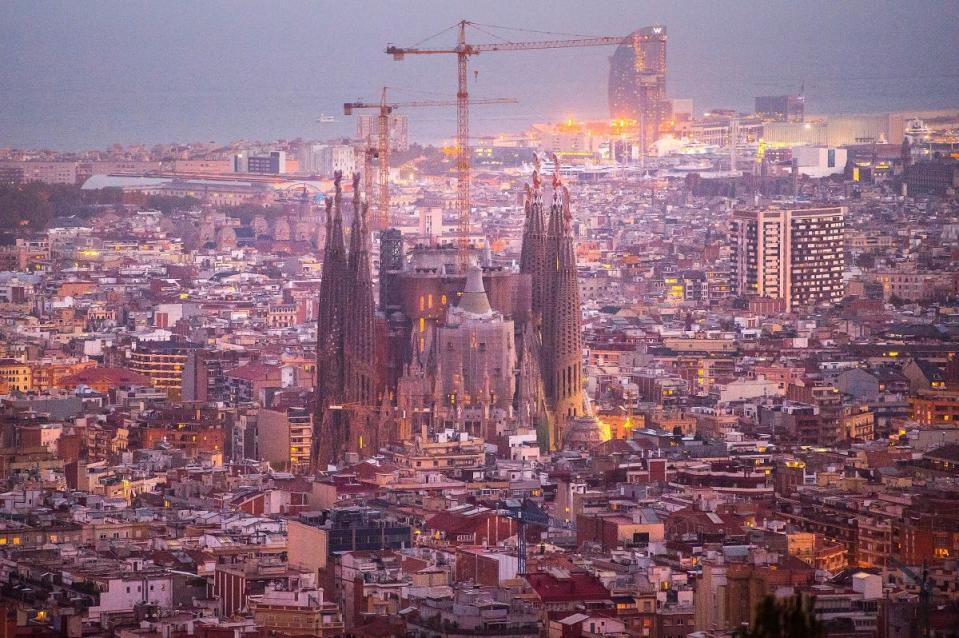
(637, 80)
(781, 108)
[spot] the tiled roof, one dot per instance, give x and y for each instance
(577, 586)
(90, 376)
(253, 372)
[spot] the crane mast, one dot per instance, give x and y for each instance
(381, 152)
(925, 594)
(525, 513)
(381, 149)
(463, 157)
(463, 50)
(382, 220)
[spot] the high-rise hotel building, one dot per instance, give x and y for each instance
(791, 254)
(637, 81)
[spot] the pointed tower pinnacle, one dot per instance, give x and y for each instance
(329, 337)
(359, 326)
(360, 310)
(532, 259)
(562, 319)
(474, 300)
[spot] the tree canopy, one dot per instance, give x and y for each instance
(789, 618)
(33, 204)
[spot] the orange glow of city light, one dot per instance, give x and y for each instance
(605, 431)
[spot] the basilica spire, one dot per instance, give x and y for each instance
(562, 319)
(329, 342)
(359, 326)
(533, 256)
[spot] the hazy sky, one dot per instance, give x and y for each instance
(83, 74)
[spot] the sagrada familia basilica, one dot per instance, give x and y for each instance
(454, 342)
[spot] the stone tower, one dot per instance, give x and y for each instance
(562, 361)
(359, 328)
(532, 259)
(391, 260)
(329, 426)
(530, 395)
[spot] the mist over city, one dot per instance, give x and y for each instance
(448, 319)
(88, 75)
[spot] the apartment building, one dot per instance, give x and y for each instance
(792, 254)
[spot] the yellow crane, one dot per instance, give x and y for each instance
(463, 51)
(380, 151)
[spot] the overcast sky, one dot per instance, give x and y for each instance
(87, 74)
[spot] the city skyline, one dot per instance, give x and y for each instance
(86, 76)
(675, 356)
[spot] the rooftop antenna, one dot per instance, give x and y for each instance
(733, 141)
(642, 143)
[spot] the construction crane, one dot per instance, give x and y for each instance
(922, 582)
(525, 513)
(381, 150)
(463, 50)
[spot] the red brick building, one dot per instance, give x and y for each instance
(468, 525)
(561, 592)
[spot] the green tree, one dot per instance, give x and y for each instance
(24, 205)
(31, 205)
(166, 204)
(790, 618)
